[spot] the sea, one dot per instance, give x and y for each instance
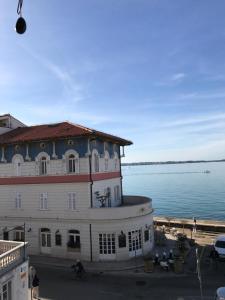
(180, 190)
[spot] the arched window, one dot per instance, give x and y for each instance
(96, 162)
(116, 160)
(43, 165)
(71, 159)
(71, 164)
(106, 160)
(74, 239)
(17, 161)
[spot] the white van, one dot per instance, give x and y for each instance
(219, 246)
(220, 293)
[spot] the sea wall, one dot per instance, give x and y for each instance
(204, 225)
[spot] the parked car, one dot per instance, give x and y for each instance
(219, 246)
(220, 293)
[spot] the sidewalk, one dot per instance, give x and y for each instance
(134, 265)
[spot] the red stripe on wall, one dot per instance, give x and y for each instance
(57, 179)
(103, 176)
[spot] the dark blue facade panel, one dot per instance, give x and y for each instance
(80, 145)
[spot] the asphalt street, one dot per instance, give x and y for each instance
(60, 284)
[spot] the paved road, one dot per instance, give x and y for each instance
(59, 284)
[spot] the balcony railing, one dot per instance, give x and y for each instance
(11, 255)
(133, 206)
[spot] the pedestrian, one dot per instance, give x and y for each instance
(170, 254)
(79, 268)
(156, 259)
(35, 289)
(194, 225)
(32, 272)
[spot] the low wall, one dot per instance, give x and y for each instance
(204, 225)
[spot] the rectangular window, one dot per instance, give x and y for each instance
(72, 201)
(44, 201)
(134, 238)
(58, 239)
(146, 235)
(18, 201)
(117, 193)
(6, 292)
(19, 235)
(107, 243)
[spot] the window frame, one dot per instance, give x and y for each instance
(43, 165)
(18, 201)
(71, 204)
(44, 201)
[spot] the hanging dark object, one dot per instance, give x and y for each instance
(21, 23)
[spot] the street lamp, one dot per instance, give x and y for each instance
(21, 23)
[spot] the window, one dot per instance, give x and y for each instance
(107, 243)
(146, 235)
(72, 161)
(43, 166)
(71, 164)
(134, 238)
(6, 291)
(19, 234)
(117, 193)
(17, 161)
(18, 201)
(106, 160)
(58, 238)
(74, 239)
(72, 201)
(108, 196)
(44, 201)
(96, 162)
(116, 163)
(122, 240)
(106, 164)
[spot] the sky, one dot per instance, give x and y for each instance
(151, 71)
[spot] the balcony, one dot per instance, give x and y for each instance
(133, 206)
(12, 254)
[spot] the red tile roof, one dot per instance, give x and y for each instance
(55, 131)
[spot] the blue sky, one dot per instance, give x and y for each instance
(152, 71)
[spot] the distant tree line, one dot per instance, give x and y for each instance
(170, 162)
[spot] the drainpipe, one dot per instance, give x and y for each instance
(91, 253)
(121, 185)
(91, 181)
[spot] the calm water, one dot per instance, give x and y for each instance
(181, 190)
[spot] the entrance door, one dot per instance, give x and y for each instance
(45, 241)
(135, 243)
(107, 246)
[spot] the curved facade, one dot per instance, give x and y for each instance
(64, 181)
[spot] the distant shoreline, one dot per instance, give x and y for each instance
(170, 162)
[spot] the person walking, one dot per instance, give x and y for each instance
(79, 269)
(32, 273)
(35, 289)
(194, 225)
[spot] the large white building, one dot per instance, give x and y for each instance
(13, 271)
(64, 181)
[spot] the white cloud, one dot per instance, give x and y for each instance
(172, 80)
(178, 76)
(73, 90)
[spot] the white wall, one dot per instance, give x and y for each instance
(19, 280)
(57, 195)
